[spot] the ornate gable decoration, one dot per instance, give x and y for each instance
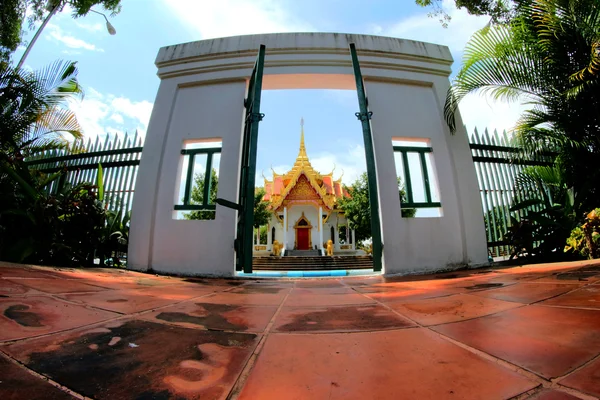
(303, 190)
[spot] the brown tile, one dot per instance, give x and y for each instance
(122, 301)
(339, 319)
(548, 341)
(255, 299)
(140, 359)
(325, 297)
(319, 283)
(226, 317)
(23, 271)
(584, 274)
(17, 384)
(398, 364)
(388, 296)
(450, 309)
(59, 285)
(586, 379)
(177, 292)
(261, 289)
(22, 317)
(586, 297)
(552, 395)
(528, 292)
(8, 288)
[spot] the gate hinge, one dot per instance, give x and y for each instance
(364, 116)
(254, 117)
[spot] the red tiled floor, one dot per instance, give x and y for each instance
(196, 314)
(22, 317)
(586, 297)
(450, 309)
(18, 384)
(587, 379)
(349, 318)
(122, 301)
(140, 359)
(59, 285)
(548, 341)
(528, 292)
(342, 338)
(401, 364)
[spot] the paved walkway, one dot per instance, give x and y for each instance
(525, 333)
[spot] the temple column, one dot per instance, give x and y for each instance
(353, 239)
(269, 237)
(285, 228)
(320, 216)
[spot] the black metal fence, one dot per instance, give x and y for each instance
(497, 168)
(119, 157)
(493, 155)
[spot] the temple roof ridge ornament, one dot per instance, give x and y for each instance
(302, 156)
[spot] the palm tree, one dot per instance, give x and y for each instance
(548, 57)
(33, 109)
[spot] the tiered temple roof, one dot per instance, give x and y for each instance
(303, 184)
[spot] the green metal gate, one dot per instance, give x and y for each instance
(245, 205)
(364, 115)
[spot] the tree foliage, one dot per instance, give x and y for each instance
(358, 210)
(262, 214)
(12, 17)
(197, 196)
(497, 10)
(33, 108)
(548, 56)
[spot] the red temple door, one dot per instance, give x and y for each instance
(302, 240)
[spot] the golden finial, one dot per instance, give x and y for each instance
(302, 153)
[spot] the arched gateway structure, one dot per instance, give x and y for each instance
(207, 111)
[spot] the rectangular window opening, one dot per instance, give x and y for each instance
(417, 184)
(199, 180)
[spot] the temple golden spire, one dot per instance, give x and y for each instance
(302, 156)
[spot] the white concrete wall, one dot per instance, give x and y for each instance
(181, 246)
(411, 111)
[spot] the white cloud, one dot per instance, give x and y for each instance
(99, 114)
(212, 19)
(118, 118)
(90, 27)
(138, 110)
(280, 169)
(423, 28)
(479, 111)
(56, 33)
(351, 163)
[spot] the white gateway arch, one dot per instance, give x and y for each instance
(201, 100)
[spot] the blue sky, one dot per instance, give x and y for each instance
(120, 82)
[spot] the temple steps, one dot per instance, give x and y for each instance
(291, 263)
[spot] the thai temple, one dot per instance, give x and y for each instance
(305, 212)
